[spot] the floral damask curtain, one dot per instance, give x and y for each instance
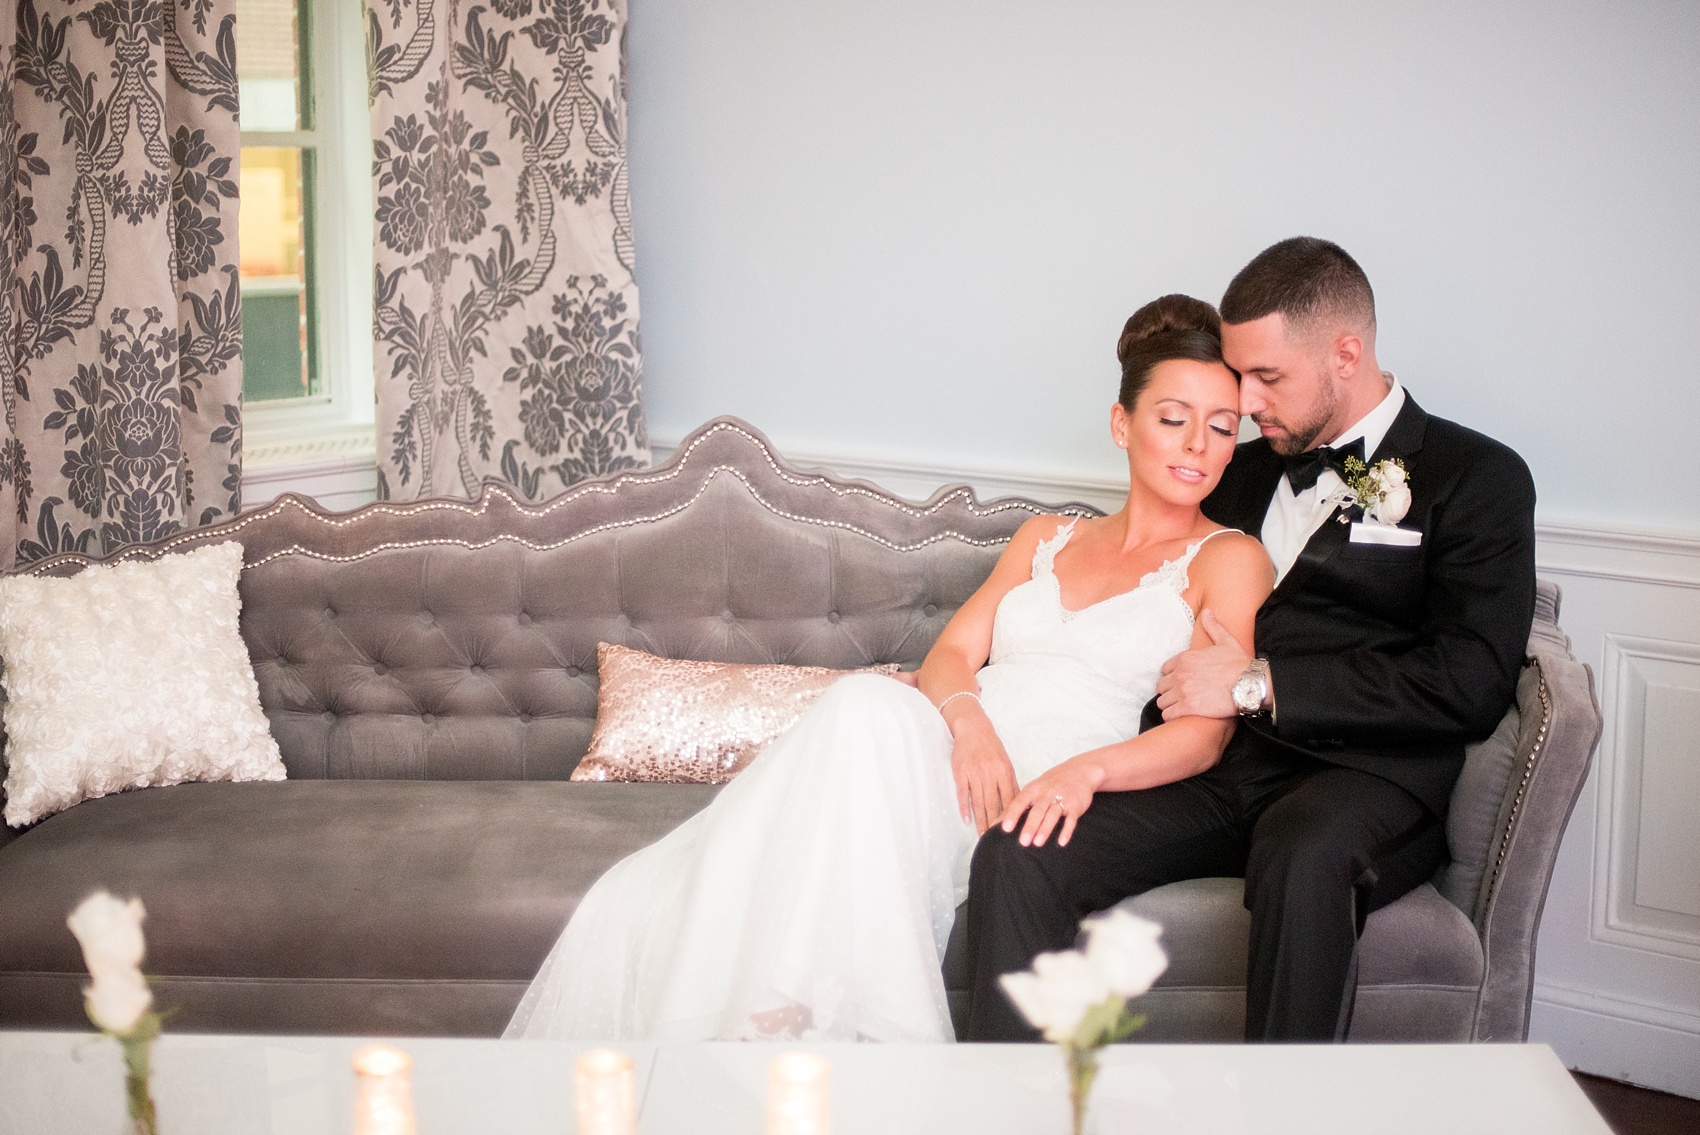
(507, 319)
(121, 368)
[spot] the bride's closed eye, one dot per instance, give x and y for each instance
(1225, 432)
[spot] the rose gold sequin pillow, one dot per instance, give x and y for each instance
(667, 719)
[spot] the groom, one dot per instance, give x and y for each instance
(1381, 653)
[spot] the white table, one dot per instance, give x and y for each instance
(53, 1083)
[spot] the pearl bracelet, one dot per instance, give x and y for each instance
(962, 694)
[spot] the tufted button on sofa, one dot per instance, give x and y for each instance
(429, 672)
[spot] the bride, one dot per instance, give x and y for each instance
(813, 898)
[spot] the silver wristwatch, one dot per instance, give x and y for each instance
(1251, 689)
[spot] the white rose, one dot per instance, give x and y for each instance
(1125, 951)
(116, 1004)
(1057, 993)
(1392, 476)
(1393, 506)
(110, 933)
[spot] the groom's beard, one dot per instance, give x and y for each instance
(1296, 437)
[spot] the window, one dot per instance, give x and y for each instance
(305, 231)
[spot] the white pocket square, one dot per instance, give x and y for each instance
(1385, 534)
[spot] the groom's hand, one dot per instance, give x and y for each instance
(1200, 682)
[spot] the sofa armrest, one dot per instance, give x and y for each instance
(1537, 806)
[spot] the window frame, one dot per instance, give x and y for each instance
(337, 422)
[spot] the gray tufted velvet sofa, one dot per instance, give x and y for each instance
(429, 672)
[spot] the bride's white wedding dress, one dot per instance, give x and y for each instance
(814, 897)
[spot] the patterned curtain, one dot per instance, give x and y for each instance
(121, 369)
(507, 321)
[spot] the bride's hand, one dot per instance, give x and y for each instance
(1060, 794)
(985, 780)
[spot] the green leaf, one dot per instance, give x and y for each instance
(1099, 1023)
(1129, 1024)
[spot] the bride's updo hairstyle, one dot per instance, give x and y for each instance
(1173, 327)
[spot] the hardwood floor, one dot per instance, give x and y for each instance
(1640, 1111)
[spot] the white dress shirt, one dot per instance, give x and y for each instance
(1293, 518)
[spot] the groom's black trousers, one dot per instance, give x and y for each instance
(1320, 846)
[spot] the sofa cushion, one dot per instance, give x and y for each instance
(1205, 927)
(302, 882)
(128, 675)
(1420, 939)
(1419, 966)
(1417, 939)
(682, 721)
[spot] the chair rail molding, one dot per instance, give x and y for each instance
(1627, 555)
(1617, 989)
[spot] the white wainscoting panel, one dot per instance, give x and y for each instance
(1647, 857)
(1617, 989)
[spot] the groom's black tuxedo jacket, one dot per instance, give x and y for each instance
(1390, 659)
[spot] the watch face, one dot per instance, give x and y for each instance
(1247, 697)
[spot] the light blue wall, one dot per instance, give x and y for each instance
(912, 228)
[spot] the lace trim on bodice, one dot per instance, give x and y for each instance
(1171, 574)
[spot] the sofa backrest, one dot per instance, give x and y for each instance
(456, 640)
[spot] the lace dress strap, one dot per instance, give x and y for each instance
(1174, 573)
(1045, 555)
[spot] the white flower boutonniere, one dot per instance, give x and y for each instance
(1379, 489)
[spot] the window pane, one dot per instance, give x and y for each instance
(268, 64)
(275, 274)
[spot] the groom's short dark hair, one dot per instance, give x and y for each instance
(1304, 279)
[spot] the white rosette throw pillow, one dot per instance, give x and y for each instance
(125, 676)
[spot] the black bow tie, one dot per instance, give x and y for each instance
(1304, 468)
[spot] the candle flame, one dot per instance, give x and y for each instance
(798, 1086)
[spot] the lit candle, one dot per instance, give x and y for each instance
(606, 1094)
(383, 1100)
(797, 1097)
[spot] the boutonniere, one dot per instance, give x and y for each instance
(1379, 489)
